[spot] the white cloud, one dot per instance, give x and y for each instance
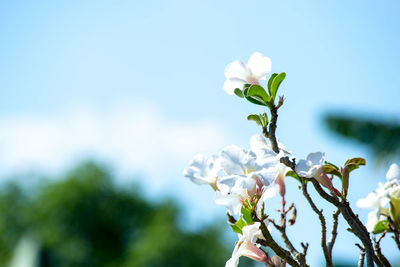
(138, 139)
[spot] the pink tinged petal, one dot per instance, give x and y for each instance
(237, 69)
(251, 251)
(280, 179)
(259, 65)
(393, 173)
(324, 180)
(280, 185)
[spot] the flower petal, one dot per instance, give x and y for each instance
(316, 158)
(231, 202)
(303, 168)
(393, 173)
(259, 65)
(236, 160)
(231, 85)
(237, 69)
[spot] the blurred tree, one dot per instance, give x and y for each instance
(86, 220)
(383, 138)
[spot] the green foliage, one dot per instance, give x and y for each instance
(260, 119)
(276, 82)
(238, 92)
(381, 227)
(294, 175)
(354, 163)
(383, 138)
(331, 169)
(271, 79)
(84, 219)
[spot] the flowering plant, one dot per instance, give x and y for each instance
(243, 179)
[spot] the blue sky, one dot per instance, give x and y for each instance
(139, 84)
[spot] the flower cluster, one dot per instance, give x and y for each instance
(237, 174)
(385, 202)
(240, 177)
(243, 179)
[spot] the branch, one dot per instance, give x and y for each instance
(272, 129)
(301, 257)
(332, 239)
(270, 242)
(362, 256)
(396, 238)
(321, 218)
(378, 251)
(356, 225)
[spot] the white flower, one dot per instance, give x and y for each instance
(246, 246)
(238, 73)
(393, 173)
(203, 170)
(312, 168)
(380, 198)
(244, 177)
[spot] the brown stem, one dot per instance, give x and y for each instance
(362, 256)
(396, 238)
(332, 239)
(270, 242)
(378, 251)
(321, 218)
(272, 129)
(356, 225)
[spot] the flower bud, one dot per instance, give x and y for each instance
(292, 218)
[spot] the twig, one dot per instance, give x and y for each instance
(282, 228)
(270, 242)
(321, 218)
(396, 238)
(357, 227)
(378, 251)
(272, 129)
(362, 256)
(332, 239)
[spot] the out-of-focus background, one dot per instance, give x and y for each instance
(103, 103)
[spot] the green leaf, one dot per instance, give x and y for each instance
(264, 118)
(246, 215)
(356, 161)
(381, 227)
(246, 86)
(345, 179)
(236, 229)
(238, 92)
(326, 162)
(273, 75)
(257, 91)
(294, 175)
(276, 83)
(256, 118)
(331, 169)
(241, 223)
(251, 99)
